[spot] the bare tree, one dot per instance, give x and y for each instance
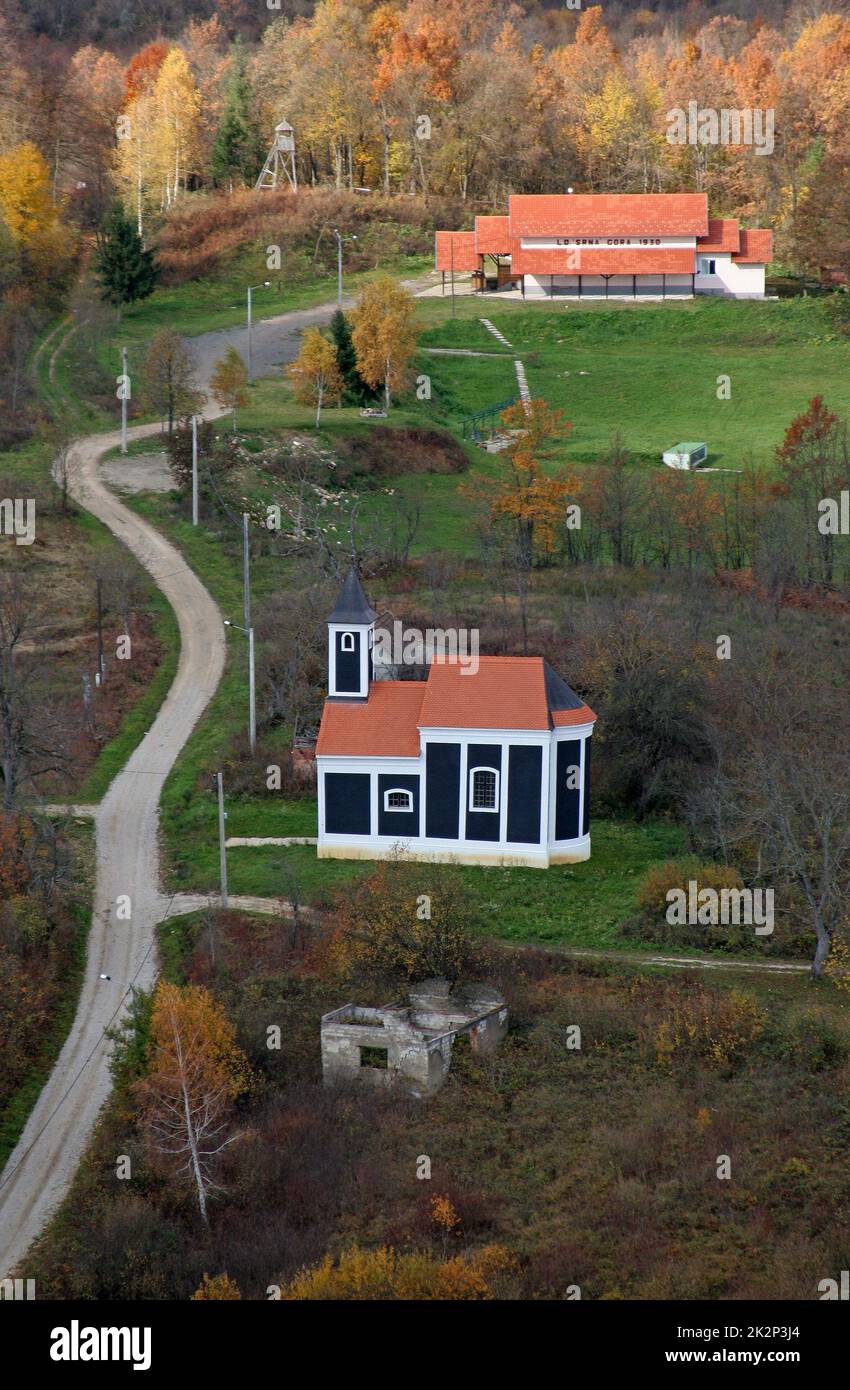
(29, 745)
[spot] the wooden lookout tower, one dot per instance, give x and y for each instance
(281, 158)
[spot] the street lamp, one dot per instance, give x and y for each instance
(264, 286)
(252, 703)
(339, 240)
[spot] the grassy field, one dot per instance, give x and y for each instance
(649, 372)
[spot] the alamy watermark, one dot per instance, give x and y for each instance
(713, 907)
(17, 518)
(410, 646)
(705, 125)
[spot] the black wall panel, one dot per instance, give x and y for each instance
(347, 808)
(525, 766)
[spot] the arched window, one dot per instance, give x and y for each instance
(483, 789)
(396, 799)
(347, 643)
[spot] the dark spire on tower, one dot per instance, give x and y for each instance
(352, 606)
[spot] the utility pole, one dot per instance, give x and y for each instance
(194, 470)
(452, 253)
(125, 383)
(339, 240)
(246, 573)
(100, 661)
(252, 693)
(251, 288)
(252, 688)
(222, 849)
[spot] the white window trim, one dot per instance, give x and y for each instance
(486, 810)
(398, 791)
(347, 643)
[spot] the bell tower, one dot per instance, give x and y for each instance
(351, 628)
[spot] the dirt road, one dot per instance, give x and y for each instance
(127, 903)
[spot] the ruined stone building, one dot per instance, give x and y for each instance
(411, 1044)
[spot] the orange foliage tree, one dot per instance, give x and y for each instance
(196, 1072)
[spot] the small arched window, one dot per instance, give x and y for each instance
(397, 799)
(347, 643)
(483, 789)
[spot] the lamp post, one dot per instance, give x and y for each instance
(252, 702)
(125, 374)
(339, 240)
(251, 288)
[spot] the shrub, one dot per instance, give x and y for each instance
(386, 1274)
(719, 1027)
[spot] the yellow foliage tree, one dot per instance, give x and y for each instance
(365, 1275)
(220, 1289)
(229, 381)
(384, 334)
(26, 207)
(315, 372)
(176, 131)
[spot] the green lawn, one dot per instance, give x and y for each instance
(649, 371)
(576, 905)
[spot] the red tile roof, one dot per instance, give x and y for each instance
(756, 247)
(723, 235)
(592, 261)
(464, 256)
(506, 692)
(608, 214)
(491, 236)
(384, 726)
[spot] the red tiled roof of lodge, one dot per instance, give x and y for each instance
(462, 257)
(608, 214)
(492, 237)
(756, 247)
(723, 235)
(590, 260)
(384, 726)
(506, 692)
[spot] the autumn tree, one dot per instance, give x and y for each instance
(176, 123)
(393, 926)
(195, 1074)
(136, 155)
(45, 246)
(125, 271)
(229, 383)
(813, 464)
(168, 383)
(533, 500)
(315, 372)
(384, 335)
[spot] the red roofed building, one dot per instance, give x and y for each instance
(485, 762)
(610, 246)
